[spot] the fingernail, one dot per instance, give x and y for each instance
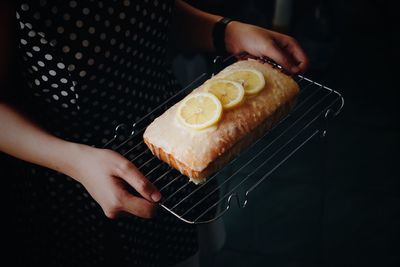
(295, 69)
(156, 196)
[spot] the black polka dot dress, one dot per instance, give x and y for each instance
(88, 66)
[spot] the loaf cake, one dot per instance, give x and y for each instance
(198, 152)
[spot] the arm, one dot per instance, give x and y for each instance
(195, 27)
(100, 171)
(103, 173)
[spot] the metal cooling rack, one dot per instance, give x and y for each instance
(206, 202)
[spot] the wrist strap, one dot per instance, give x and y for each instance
(218, 35)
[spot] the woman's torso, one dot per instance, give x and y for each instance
(90, 65)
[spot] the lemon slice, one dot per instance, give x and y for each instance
(200, 110)
(252, 80)
(230, 93)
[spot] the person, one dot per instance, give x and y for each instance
(85, 67)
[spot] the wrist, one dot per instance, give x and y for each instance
(219, 35)
(231, 44)
(71, 159)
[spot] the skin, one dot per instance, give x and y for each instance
(196, 30)
(283, 49)
(104, 173)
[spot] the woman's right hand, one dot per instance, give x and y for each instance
(105, 174)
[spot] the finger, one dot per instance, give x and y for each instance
(138, 206)
(138, 181)
(278, 55)
(243, 56)
(299, 56)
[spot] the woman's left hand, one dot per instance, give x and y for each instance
(257, 41)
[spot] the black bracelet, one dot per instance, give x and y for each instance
(218, 35)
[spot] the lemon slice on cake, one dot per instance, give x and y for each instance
(230, 93)
(252, 80)
(200, 110)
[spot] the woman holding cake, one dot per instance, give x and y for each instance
(87, 66)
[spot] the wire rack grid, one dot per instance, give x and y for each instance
(206, 202)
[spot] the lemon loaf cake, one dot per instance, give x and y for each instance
(220, 118)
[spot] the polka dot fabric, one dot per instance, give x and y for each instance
(88, 66)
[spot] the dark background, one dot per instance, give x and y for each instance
(337, 201)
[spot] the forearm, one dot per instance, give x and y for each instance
(21, 138)
(194, 27)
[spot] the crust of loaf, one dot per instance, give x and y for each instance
(200, 176)
(198, 154)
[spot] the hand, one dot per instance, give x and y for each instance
(105, 174)
(283, 49)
